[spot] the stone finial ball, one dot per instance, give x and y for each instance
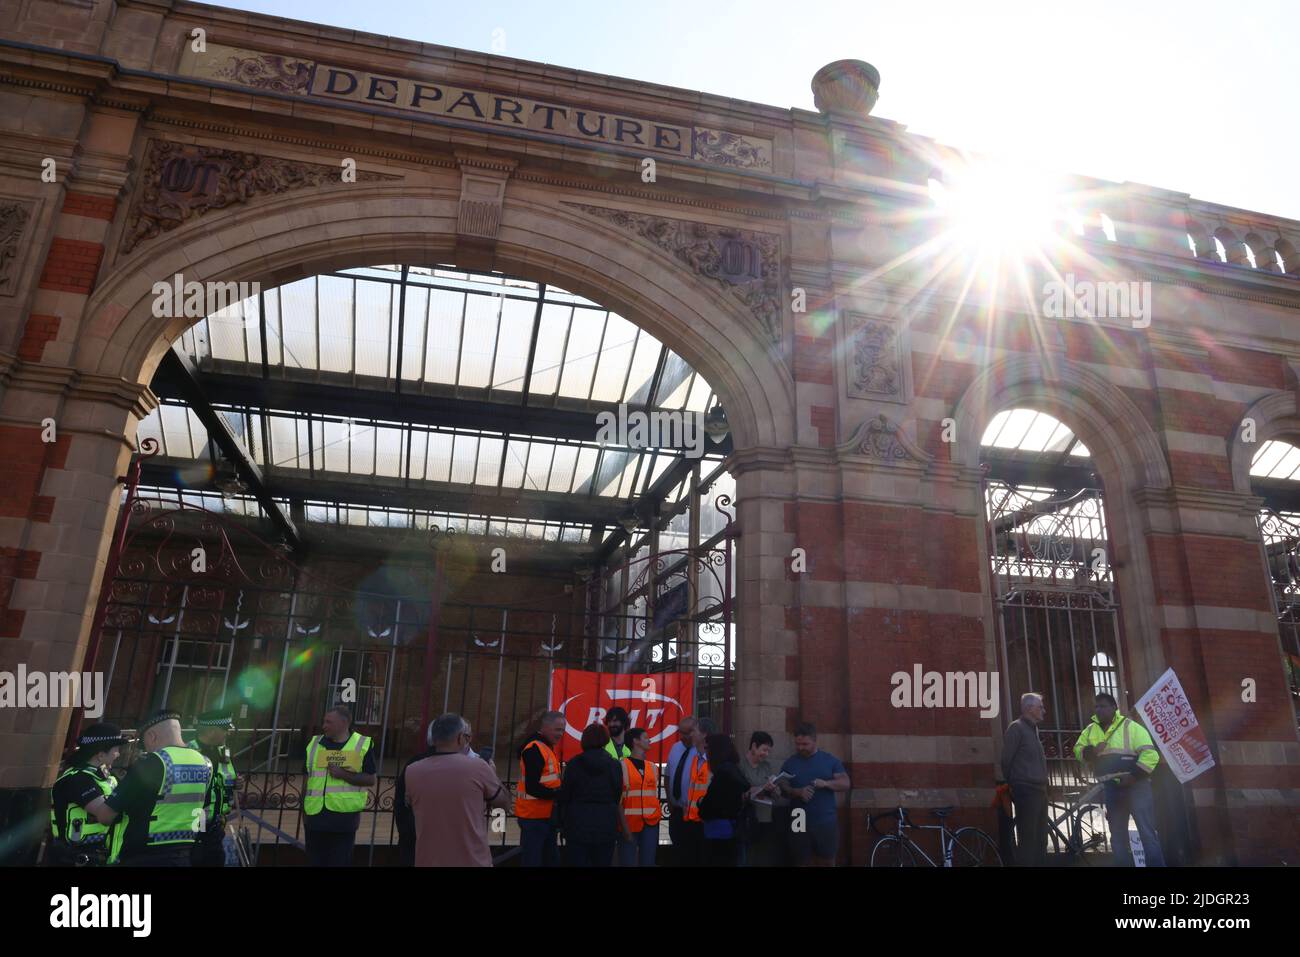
(846, 86)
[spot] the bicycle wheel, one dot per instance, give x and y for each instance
(971, 847)
(892, 852)
(1088, 836)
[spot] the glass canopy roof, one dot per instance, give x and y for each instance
(365, 449)
(450, 332)
(1276, 460)
(1024, 430)
(502, 342)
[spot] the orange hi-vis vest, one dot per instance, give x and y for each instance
(700, 778)
(531, 808)
(640, 796)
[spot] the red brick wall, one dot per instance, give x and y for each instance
(14, 564)
(94, 207)
(823, 420)
(71, 266)
(36, 333)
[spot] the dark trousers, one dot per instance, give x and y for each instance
(537, 843)
(330, 848)
(758, 843)
(720, 852)
(1138, 801)
(674, 825)
(1031, 823)
(577, 854)
(210, 851)
(688, 845)
(169, 855)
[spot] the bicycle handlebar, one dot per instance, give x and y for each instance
(899, 812)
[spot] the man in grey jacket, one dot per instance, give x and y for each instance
(1024, 767)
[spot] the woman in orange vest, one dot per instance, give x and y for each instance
(639, 838)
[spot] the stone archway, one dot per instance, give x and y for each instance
(1128, 459)
(1274, 416)
(310, 231)
(539, 238)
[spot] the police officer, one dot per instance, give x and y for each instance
(78, 839)
(166, 799)
(211, 728)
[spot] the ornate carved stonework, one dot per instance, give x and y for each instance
(265, 71)
(746, 263)
(875, 359)
(731, 149)
(879, 438)
(181, 181)
(14, 217)
(482, 194)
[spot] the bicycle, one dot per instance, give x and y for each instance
(1074, 832)
(965, 847)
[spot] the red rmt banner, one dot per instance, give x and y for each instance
(1172, 722)
(656, 702)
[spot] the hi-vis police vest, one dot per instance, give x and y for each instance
(226, 778)
(334, 794)
(186, 788)
(1124, 747)
(640, 796)
(531, 808)
(80, 832)
(700, 778)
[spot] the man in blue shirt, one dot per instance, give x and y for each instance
(815, 776)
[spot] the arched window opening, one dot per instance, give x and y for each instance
(1275, 477)
(1105, 677)
(481, 481)
(1054, 584)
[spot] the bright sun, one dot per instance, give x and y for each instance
(998, 207)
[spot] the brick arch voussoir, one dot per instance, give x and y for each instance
(298, 235)
(1124, 446)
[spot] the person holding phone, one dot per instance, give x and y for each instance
(451, 794)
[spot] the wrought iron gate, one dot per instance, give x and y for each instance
(1056, 611)
(279, 641)
(1280, 534)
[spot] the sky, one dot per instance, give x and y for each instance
(1193, 96)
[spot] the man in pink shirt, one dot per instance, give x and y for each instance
(449, 794)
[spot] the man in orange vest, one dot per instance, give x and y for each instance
(698, 777)
(641, 810)
(539, 783)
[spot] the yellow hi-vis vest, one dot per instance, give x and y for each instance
(335, 794)
(1133, 747)
(226, 778)
(186, 788)
(81, 832)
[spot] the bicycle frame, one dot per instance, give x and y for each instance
(946, 838)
